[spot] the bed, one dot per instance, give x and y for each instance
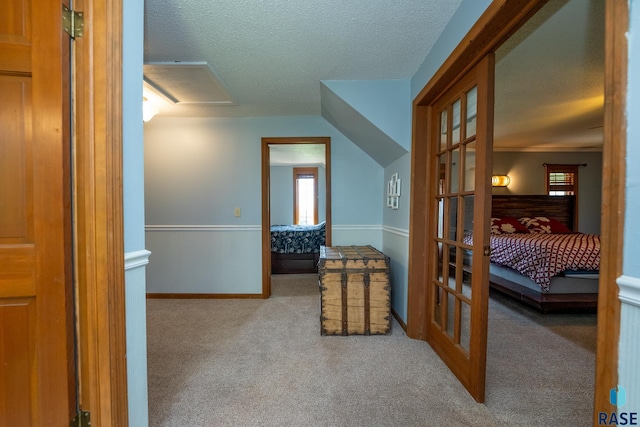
(551, 272)
(296, 248)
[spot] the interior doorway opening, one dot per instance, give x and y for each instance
(279, 202)
(498, 23)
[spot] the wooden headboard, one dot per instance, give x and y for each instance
(561, 208)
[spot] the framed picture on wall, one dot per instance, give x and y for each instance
(396, 190)
(393, 192)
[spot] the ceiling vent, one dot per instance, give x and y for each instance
(187, 83)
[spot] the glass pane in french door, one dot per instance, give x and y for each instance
(442, 164)
(472, 111)
(455, 131)
(469, 165)
(454, 177)
(444, 129)
(454, 202)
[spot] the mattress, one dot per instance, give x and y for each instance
(540, 257)
(570, 282)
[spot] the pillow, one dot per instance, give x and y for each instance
(507, 225)
(544, 225)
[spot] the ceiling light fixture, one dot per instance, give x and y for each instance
(149, 109)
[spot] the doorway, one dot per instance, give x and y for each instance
(496, 25)
(291, 151)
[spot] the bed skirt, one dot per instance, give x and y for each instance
(294, 263)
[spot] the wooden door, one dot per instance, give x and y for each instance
(37, 385)
(460, 203)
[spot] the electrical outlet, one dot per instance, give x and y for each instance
(236, 211)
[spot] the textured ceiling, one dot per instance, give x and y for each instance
(550, 80)
(272, 55)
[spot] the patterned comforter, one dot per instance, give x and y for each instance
(542, 256)
(297, 239)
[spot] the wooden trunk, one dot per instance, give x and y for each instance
(354, 291)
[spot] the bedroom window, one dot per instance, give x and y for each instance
(305, 196)
(562, 180)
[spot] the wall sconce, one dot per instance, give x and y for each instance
(500, 180)
(148, 109)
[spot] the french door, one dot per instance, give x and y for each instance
(459, 203)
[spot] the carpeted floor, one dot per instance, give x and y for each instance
(264, 363)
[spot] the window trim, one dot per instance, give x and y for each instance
(561, 168)
(564, 168)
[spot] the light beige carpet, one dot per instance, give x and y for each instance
(264, 363)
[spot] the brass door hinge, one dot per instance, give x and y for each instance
(487, 250)
(82, 419)
(72, 22)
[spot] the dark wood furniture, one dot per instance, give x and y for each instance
(294, 263)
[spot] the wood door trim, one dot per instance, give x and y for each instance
(266, 212)
(613, 205)
(501, 19)
(99, 214)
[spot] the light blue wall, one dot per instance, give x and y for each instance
(198, 170)
(281, 193)
(133, 201)
(528, 177)
(398, 218)
(395, 236)
(632, 231)
(385, 103)
(132, 129)
(463, 19)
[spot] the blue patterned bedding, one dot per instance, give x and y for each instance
(297, 239)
